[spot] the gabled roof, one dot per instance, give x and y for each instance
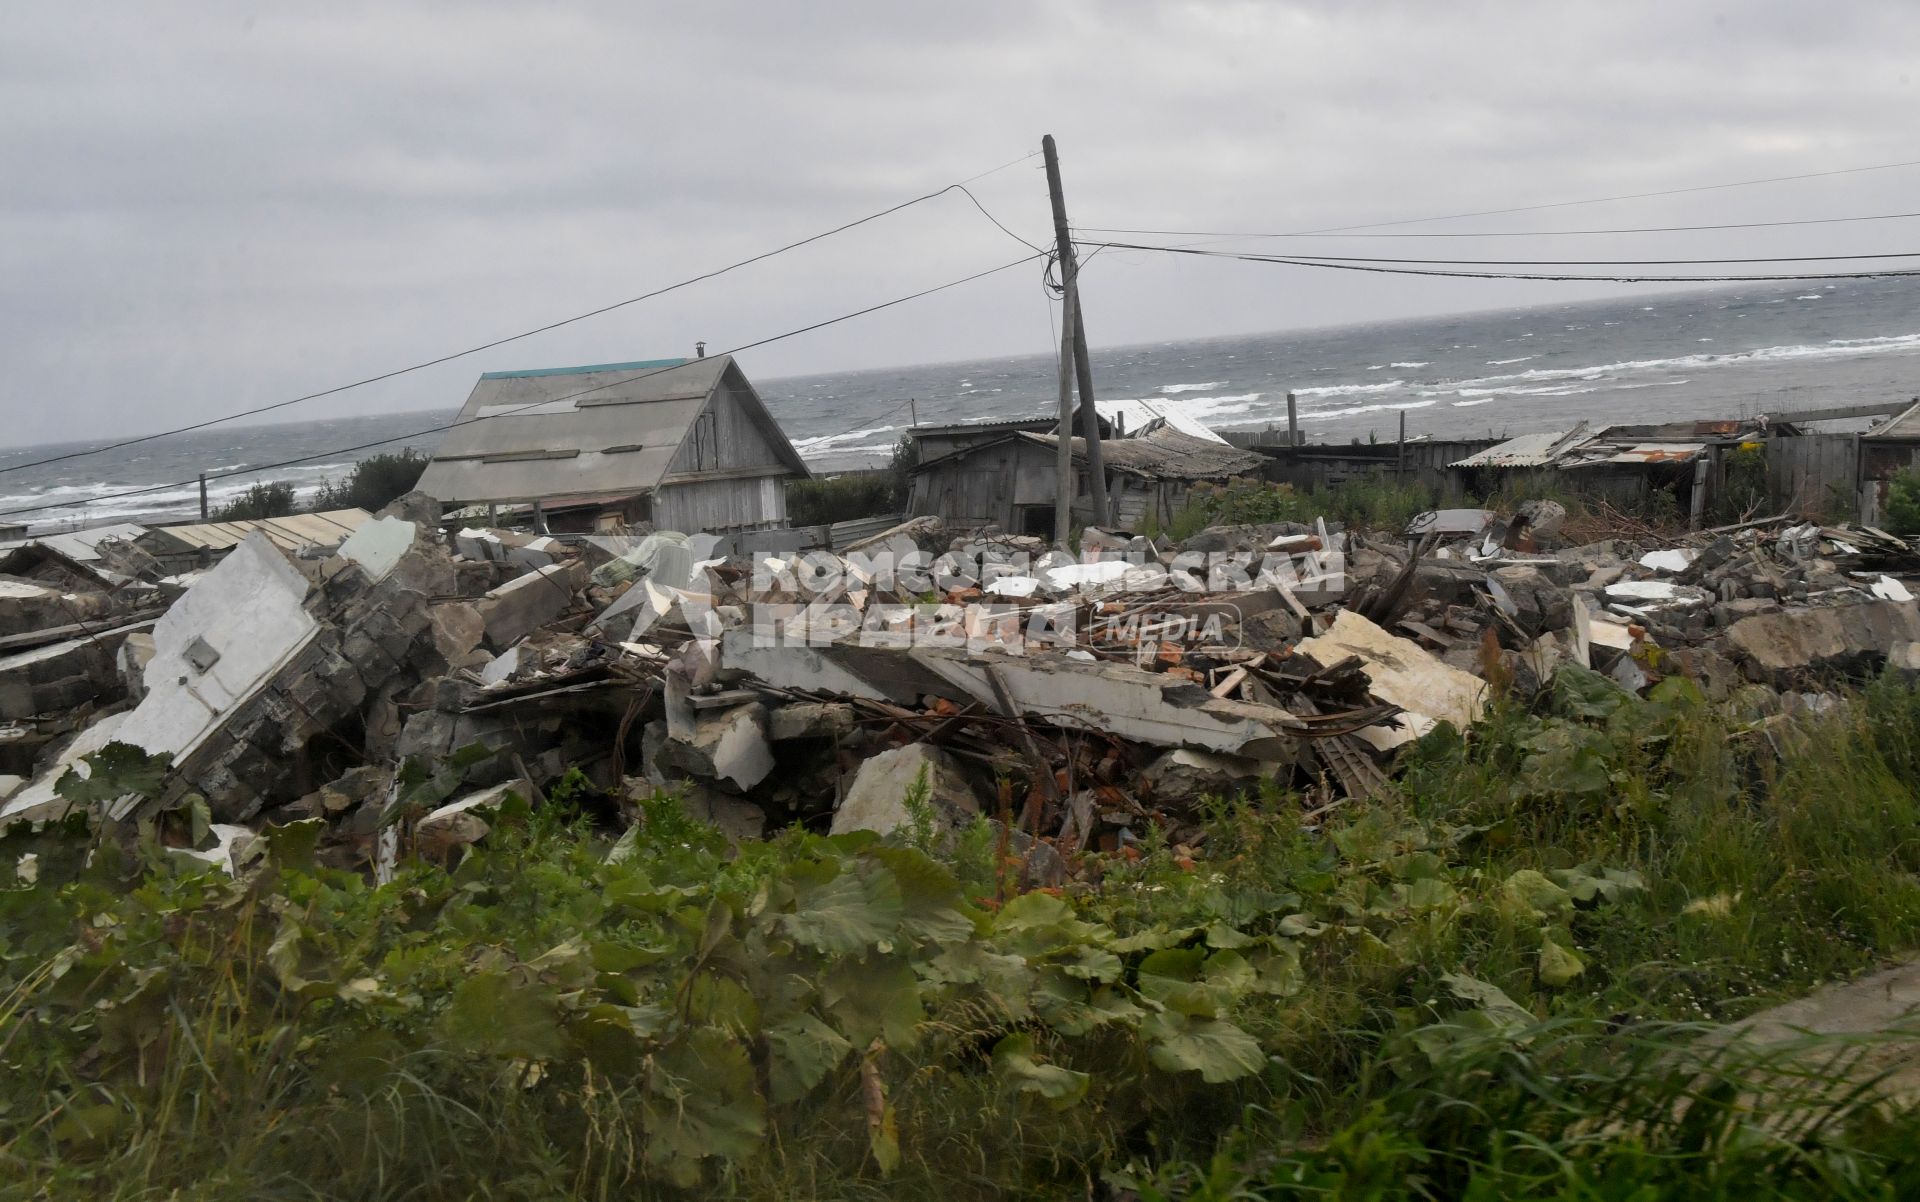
(602, 428)
(1137, 415)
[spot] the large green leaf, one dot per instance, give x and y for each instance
(868, 1000)
(850, 912)
(1014, 1058)
(1214, 1048)
(701, 1102)
(804, 1050)
(495, 1014)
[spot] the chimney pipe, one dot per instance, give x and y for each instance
(699, 350)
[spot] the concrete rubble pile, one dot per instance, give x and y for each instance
(400, 685)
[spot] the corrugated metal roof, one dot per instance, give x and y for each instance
(1164, 454)
(80, 545)
(289, 533)
(1532, 450)
(609, 428)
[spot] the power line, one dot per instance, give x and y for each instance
(1646, 229)
(1903, 254)
(365, 446)
(547, 328)
(1568, 204)
(1509, 275)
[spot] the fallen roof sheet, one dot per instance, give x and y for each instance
(1137, 415)
(1532, 450)
(1904, 425)
(289, 533)
(80, 545)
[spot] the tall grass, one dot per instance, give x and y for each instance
(1505, 980)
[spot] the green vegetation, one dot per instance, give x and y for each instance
(1477, 988)
(271, 500)
(1374, 502)
(1903, 502)
(841, 498)
(374, 483)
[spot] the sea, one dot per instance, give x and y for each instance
(1729, 352)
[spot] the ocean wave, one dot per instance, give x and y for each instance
(1411, 363)
(1204, 386)
(1504, 362)
(1219, 406)
(1347, 389)
(1357, 410)
(835, 442)
(1470, 404)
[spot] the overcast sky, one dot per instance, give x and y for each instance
(210, 206)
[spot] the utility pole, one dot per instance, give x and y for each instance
(1082, 365)
(203, 496)
(1063, 486)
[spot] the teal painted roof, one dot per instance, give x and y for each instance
(642, 365)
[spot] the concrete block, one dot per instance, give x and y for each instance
(1781, 648)
(378, 545)
(728, 745)
(875, 801)
(526, 603)
(810, 720)
(1182, 776)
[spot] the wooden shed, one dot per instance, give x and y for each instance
(689, 437)
(1010, 480)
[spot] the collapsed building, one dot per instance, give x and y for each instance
(396, 683)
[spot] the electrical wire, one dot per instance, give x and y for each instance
(1510, 275)
(543, 329)
(256, 469)
(1902, 254)
(1567, 204)
(1230, 235)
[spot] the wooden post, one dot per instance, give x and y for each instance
(203, 496)
(1293, 422)
(913, 410)
(1400, 453)
(1082, 364)
(1063, 481)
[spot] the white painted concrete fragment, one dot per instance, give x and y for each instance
(1677, 559)
(378, 545)
(1888, 589)
(1399, 671)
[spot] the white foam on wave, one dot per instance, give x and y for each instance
(1220, 406)
(1348, 389)
(1203, 386)
(1410, 363)
(837, 442)
(1504, 362)
(1357, 410)
(1471, 404)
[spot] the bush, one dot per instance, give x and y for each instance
(1903, 502)
(841, 498)
(374, 483)
(274, 500)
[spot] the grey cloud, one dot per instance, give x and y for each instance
(205, 206)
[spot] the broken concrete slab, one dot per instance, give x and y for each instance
(1784, 647)
(810, 720)
(1400, 672)
(877, 799)
(728, 745)
(1184, 776)
(378, 545)
(528, 602)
